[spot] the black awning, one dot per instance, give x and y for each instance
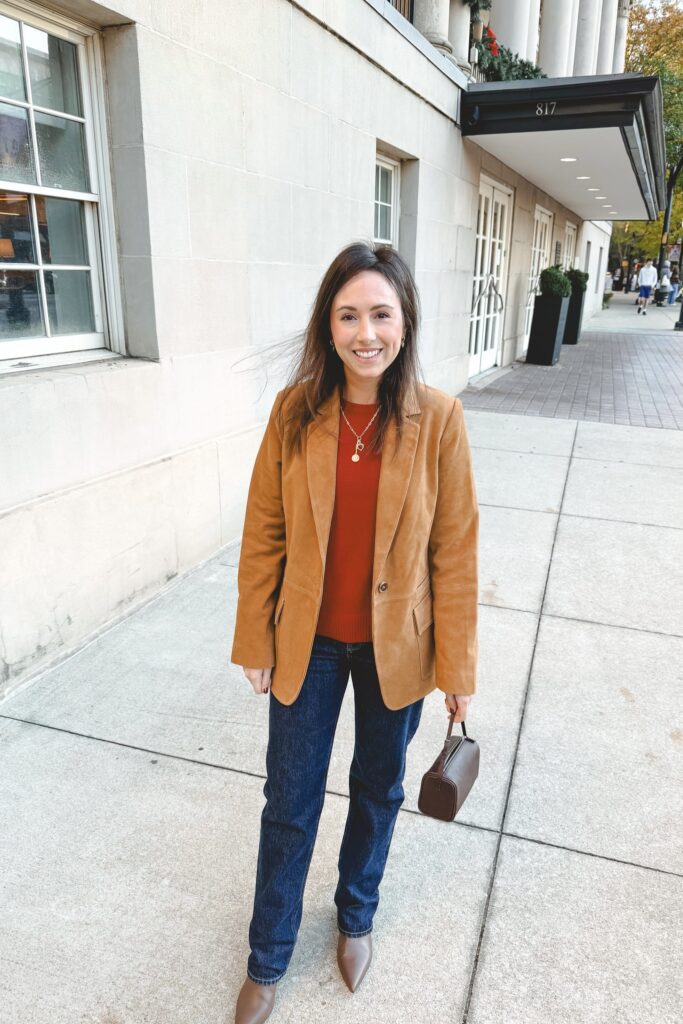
(596, 144)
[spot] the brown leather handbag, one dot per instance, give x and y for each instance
(445, 786)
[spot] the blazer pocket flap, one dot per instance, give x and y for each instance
(423, 612)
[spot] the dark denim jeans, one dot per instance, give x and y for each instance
(297, 761)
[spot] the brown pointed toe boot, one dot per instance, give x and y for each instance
(255, 1002)
(354, 954)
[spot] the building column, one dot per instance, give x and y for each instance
(619, 58)
(608, 25)
(534, 31)
(571, 49)
(459, 33)
(587, 32)
(430, 17)
(510, 22)
(553, 50)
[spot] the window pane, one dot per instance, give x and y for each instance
(61, 229)
(61, 151)
(20, 315)
(16, 237)
(15, 147)
(53, 70)
(11, 72)
(69, 302)
(385, 185)
(384, 221)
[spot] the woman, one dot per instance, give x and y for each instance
(634, 280)
(675, 285)
(359, 554)
(664, 284)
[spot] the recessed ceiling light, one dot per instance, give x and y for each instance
(606, 206)
(583, 177)
(568, 159)
(599, 197)
(593, 190)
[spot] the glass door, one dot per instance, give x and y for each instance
(569, 245)
(540, 259)
(490, 276)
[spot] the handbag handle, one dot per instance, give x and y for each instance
(450, 726)
(447, 747)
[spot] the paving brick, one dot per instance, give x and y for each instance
(628, 377)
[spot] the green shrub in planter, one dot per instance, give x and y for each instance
(550, 317)
(578, 281)
(554, 281)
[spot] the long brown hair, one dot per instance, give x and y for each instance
(319, 367)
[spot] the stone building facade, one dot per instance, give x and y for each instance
(174, 179)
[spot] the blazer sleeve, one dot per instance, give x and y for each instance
(453, 561)
(262, 555)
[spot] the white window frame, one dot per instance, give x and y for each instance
(570, 240)
(490, 278)
(394, 167)
(539, 259)
(97, 204)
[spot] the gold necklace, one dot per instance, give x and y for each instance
(359, 444)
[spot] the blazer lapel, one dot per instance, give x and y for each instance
(394, 476)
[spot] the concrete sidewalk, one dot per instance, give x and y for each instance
(622, 315)
(131, 784)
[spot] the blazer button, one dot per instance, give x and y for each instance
(383, 585)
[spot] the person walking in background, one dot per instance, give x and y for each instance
(634, 280)
(675, 285)
(359, 554)
(647, 279)
(664, 284)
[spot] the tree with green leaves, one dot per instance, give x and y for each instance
(655, 47)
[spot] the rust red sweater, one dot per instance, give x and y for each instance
(346, 610)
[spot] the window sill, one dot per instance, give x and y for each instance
(33, 365)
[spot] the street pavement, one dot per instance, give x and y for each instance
(131, 780)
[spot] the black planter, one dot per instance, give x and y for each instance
(574, 314)
(547, 329)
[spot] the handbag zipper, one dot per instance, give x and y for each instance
(451, 752)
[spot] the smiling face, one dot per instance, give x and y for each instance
(366, 317)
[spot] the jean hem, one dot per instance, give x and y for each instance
(354, 935)
(268, 981)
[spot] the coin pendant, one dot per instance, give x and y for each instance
(355, 458)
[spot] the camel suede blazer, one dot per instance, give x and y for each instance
(424, 577)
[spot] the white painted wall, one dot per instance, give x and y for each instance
(243, 144)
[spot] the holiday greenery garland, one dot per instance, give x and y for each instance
(478, 5)
(499, 64)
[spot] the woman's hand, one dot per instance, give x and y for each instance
(459, 704)
(259, 678)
